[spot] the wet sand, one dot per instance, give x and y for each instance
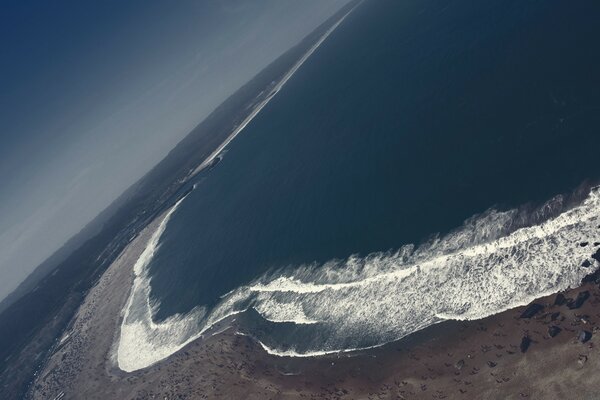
(481, 359)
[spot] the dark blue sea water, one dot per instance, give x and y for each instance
(410, 118)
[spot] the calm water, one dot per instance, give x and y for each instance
(410, 118)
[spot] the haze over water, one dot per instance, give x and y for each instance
(409, 119)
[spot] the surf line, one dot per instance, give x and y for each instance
(131, 359)
(258, 108)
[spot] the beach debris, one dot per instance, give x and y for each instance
(582, 359)
(525, 342)
(553, 330)
(578, 302)
(560, 299)
(531, 310)
(459, 364)
(584, 336)
(584, 318)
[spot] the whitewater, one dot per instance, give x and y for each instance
(139, 335)
(494, 262)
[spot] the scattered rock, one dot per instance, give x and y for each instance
(554, 316)
(578, 302)
(553, 330)
(584, 336)
(491, 364)
(560, 299)
(525, 342)
(586, 264)
(583, 244)
(596, 244)
(531, 310)
(582, 359)
(459, 364)
(596, 255)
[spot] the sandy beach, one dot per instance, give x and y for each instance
(542, 351)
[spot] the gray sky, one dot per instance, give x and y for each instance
(94, 94)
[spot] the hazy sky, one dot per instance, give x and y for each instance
(95, 93)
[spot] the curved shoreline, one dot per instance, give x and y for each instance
(143, 342)
(234, 366)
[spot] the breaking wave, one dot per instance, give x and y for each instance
(496, 261)
(143, 342)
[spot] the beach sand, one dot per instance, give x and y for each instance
(483, 359)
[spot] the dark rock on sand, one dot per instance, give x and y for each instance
(553, 330)
(491, 364)
(583, 244)
(560, 299)
(586, 264)
(531, 310)
(525, 342)
(596, 255)
(578, 302)
(584, 336)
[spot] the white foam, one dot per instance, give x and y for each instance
(386, 296)
(143, 342)
(485, 267)
(277, 312)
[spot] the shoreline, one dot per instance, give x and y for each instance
(272, 93)
(146, 343)
(444, 360)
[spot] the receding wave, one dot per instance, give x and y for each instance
(495, 261)
(143, 342)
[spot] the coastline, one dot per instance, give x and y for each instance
(52, 300)
(208, 162)
(144, 342)
(451, 359)
(543, 349)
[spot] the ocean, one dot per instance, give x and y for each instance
(410, 171)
